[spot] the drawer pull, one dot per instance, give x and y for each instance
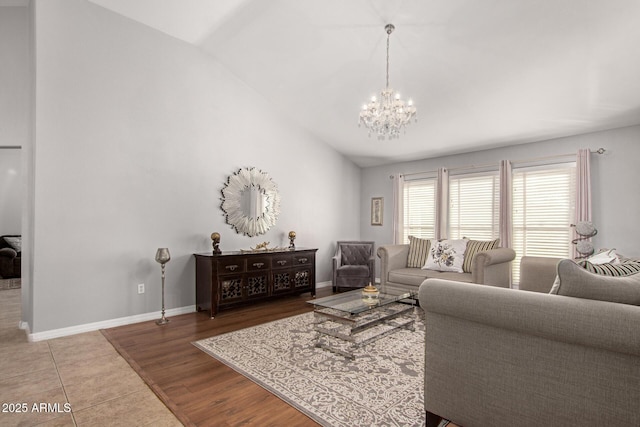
(282, 262)
(258, 264)
(231, 267)
(302, 260)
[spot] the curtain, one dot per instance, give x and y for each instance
(398, 213)
(583, 190)
(506, 203)
(442, 203)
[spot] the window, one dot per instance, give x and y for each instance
(543, 209)
(419, 209)
(474, 206)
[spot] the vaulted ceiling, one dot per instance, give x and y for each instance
(482, 74)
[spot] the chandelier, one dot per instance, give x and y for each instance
(389, 114)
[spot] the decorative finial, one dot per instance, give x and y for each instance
(292, 237)
(162, 257)
(215, 242)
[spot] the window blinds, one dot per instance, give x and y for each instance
(419, 203)
(474, 206)
(543, 209)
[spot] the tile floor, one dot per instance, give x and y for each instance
(82, 371)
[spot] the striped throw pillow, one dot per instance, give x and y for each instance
(623, 269)
(474, 247)
(418, 251)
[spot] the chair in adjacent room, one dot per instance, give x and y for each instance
(10, 256)
(353, 265)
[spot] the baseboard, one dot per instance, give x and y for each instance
(24, 326)
(89, 327)
(112, 323)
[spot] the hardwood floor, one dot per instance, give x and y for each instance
(197, 388)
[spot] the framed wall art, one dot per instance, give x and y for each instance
(377, 208)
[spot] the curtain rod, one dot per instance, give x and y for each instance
(557, 156)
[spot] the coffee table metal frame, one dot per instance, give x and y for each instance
(345, 322)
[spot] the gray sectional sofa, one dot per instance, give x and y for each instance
(505, 357)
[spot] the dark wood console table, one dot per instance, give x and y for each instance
(239, 277)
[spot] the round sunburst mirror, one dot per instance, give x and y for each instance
(250, 201)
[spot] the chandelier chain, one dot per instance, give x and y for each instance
(388, 37)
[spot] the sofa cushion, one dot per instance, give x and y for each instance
(418, 251)
(612, 268)
(448, 275)
(626, 267)
(623, 258)
(415, 276)
(474, 247)
(575, 281)
(355, 253)
(353, 271)
(15, 242)
(446, 255)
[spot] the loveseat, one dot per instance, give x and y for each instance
(506, 357)
(487, 267)
(10, 256)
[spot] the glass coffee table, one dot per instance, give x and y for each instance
(344, 322)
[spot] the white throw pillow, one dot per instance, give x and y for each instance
(604, 257)
(446, 255)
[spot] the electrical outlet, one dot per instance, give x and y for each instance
(141, 288)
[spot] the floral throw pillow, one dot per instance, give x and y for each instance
(446, 255)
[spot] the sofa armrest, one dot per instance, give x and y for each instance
(528, 359)
(537, 274)
(493, 267)
(391, 257)
(337, 262)
(606, 325)
(8, 253)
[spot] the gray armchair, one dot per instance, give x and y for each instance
(354, 265)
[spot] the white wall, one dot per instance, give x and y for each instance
(135, 134)
(15, 130)
(614, 177)
(14, 110)
(14, 76)
(10, 191)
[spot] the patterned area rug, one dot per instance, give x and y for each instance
(383, 386)
(6, 284)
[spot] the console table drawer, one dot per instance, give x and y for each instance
(282, 261)
(231, 265)
(303, 260)
(256, 264)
